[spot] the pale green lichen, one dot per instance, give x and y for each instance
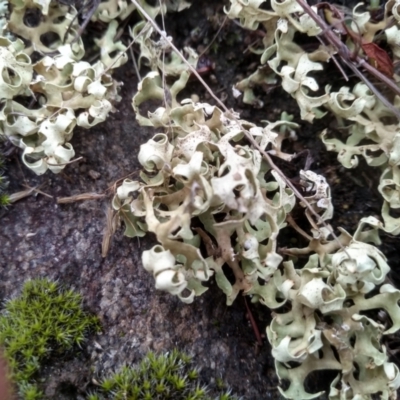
(214, 203)
(367, 119)
(211, 199)
(3, 16)
(336, 285)
(214, 180)
(69, 92)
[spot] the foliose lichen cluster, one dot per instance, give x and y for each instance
(215, 204)
(211, 198)
(371, 131)
(43, 100)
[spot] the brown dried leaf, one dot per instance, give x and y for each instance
(379, 58)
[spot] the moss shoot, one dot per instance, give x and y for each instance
(168, 376)
(4, 197)
(44, 321)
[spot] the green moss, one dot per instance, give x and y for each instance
(45, 320)
(4, 198)
(29, 391)
(220, 383)
(168, 376)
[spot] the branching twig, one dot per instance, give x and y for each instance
(354, 62)
(25, 193)
(37, 190)
(89, 15)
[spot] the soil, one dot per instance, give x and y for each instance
(40, 238)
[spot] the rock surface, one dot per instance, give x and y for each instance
(40, 238)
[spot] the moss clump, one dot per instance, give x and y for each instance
(45, 320)
(4, 197)
(168, 376)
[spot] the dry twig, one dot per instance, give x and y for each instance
(80, 197)
(111, 225)
(253, 323)
(354, 62)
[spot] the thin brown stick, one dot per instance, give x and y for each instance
(80, 197)
(339, 67)
(135, 66)
(253, 323)
(113, 187)
(214, 38)
(108, 231)
(163, 70)
(249, 137)
(20, 195)
(122, 52)
(36, 189)
(293, 224)
(346, 56)
(25, 193)
(67, 163)
(88, 17)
